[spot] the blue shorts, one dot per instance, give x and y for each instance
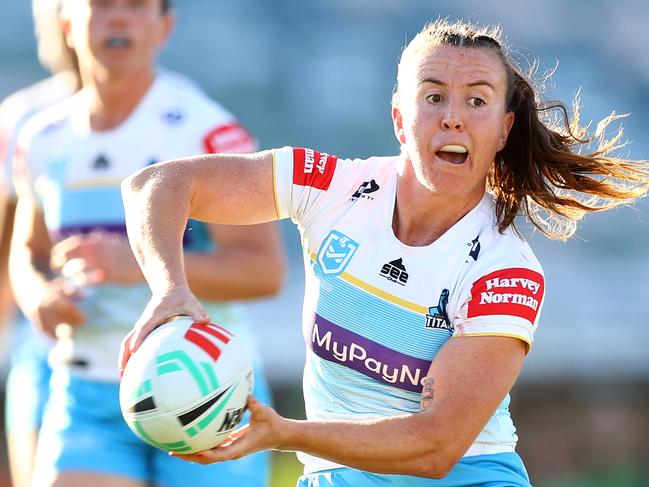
(28, 381)
(499, 470)
(83, 430)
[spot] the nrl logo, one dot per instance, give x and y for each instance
(335, 253)
(437, 317)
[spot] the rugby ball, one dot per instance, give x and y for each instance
(185, 389)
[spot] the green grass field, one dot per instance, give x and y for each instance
(286, 470)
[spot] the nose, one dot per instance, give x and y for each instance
(451, 121)
(119, 14)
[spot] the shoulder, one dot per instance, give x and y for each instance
(181, 92)
(48, 122)
(320, 170)
(22, 104)
(186, 105)
(507, 248)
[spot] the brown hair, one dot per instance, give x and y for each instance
(539, 171)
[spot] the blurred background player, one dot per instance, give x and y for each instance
(28, 380)
(72, 269)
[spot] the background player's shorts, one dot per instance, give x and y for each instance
(28, 381)
(499, 470)
(83, 430)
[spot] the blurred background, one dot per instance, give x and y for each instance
(320, 73)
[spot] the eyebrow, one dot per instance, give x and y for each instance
(480, 82)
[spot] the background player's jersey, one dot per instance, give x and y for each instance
(75, 174)
(18, 108)
(470, 281)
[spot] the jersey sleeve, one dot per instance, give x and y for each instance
(503, 298)
(309, 183)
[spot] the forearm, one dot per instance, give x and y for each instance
(157, 203)
(410, 444)
(29, 278)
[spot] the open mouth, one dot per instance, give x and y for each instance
(117, 42)
(454, 154)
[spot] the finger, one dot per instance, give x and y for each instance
(158, 317)
(68, 312)
(65, 250)
(90, 277)
(141, 331)
(233, 437)
(124, 352)
(253, 404)
(76, 265)
(66, 288)
(194, 458)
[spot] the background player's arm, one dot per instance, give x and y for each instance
(248, 263)
(46, 302)
(7, 210)
(457, 402)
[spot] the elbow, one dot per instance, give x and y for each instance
(442, 454)
(436, 466)
(135, 182)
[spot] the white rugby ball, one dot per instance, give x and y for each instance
(185, 389)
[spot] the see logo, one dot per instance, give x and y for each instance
(395, 271)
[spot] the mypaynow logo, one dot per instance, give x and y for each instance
(335, 344)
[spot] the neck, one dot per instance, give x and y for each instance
(421, 216)
(113, 98)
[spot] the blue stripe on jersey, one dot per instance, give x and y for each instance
(339, 302)
(65, 207)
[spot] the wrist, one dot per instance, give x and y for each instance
(291, 431)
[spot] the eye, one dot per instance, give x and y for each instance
(477, 102)
(434, 98)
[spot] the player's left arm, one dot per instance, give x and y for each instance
(248, 263)
(466, 382)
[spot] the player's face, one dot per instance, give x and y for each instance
(450, 116)
(118, 36)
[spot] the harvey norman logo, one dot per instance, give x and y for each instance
(336, 344)
(514, 291)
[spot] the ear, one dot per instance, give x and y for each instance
(66, 27)
(397, 121)
(168, 24)
(508, 122)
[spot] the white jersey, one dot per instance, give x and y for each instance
(377, 311)
(75, 174)
(18, 108)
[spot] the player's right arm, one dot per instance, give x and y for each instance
(158, 200)
(47, 301)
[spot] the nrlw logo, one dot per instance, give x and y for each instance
(335, 253)
(395, 271)
(514, 292)
(364, 190)
(437, 316)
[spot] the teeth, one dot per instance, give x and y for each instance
(458, 149)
